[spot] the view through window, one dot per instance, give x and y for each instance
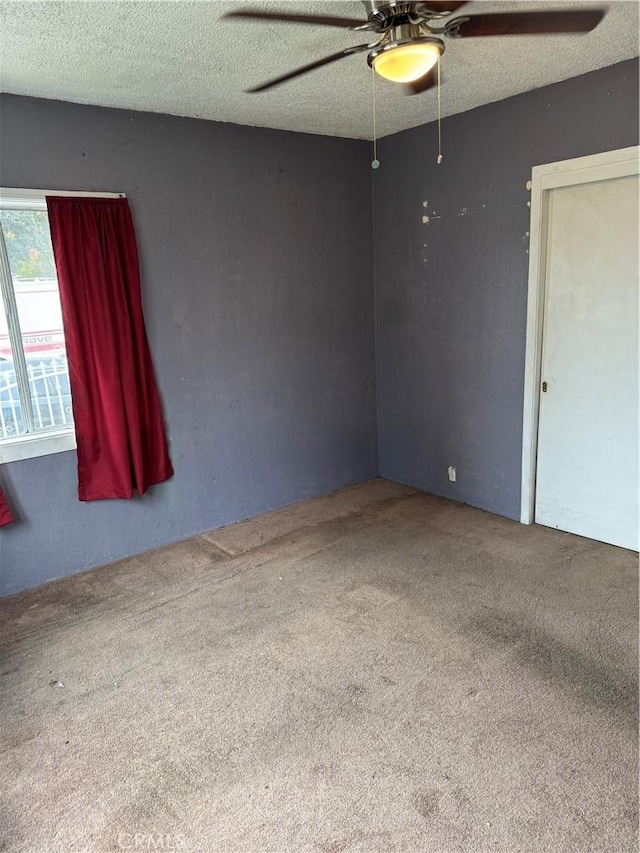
(34, 378)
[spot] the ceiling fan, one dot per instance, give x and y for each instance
(407, 39)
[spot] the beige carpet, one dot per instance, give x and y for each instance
(379, 670)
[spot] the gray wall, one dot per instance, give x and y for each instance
(256, 262)
(451, 294)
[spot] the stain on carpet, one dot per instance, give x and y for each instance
(427, 802)
(556, 660)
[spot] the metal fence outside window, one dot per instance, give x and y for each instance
(50, 397)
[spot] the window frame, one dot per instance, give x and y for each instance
(55, 440)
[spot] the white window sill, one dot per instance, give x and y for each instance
(27, 447)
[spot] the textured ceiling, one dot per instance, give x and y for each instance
(178, 57)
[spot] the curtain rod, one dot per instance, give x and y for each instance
(20, 192)
(28, 199)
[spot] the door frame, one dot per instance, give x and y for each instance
(565, 173)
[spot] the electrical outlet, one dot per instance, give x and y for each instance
(452, 473)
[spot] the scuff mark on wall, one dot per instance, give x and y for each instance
(467, 211)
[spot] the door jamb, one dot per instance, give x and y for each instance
(580, 170)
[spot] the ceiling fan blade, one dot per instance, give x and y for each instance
(347, 23)
(441, 6)
(526, 23)
(427, 81)
(311, 67)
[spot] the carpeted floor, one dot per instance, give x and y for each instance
(379, 670)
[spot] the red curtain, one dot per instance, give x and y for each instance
(116, 407)
(5, 512)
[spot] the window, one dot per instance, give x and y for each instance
(35, 399)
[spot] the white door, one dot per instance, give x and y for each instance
(587, 464)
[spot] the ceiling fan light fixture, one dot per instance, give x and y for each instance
(404, 63)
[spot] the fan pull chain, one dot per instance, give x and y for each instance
(375, 163)
(439, 119)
